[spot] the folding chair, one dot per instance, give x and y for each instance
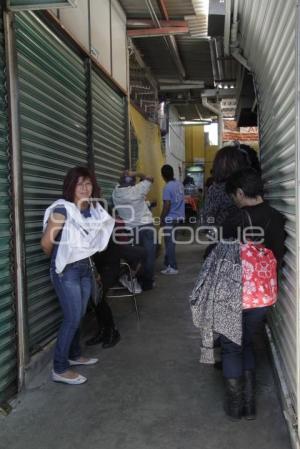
(114, 290)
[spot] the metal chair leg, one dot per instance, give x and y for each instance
(131, 295)
(132, 288)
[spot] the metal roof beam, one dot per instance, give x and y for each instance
(154, 32)
(175, 81)
(163, 9)
(170, 40)
(178, 87)
(176, 56)
(149, 23)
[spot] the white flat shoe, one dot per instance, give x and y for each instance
(65, 380)
(87, 362)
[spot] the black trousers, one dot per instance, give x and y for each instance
(108, 266)
(237, 359)
(104, 315)
(133, 255)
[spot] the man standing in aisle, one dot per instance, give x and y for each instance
(129, 198)
(172, 214)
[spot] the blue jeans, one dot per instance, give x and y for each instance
(170, 245)
(73, 287)
(146, 240)
(237, 359)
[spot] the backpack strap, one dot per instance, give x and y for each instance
(250, 221)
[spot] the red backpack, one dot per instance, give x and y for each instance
(259, 275)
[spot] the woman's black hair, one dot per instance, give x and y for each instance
(249, 180)
(228, 160)
(252, 156)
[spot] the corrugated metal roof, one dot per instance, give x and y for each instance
(138, 9)
(195, 54)
(157, 56)
(194, 51)
(177, 9)
(198, 24)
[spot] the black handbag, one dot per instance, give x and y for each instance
(97, 289)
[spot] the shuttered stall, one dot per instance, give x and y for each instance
(109, 133)
(269, 44)
(53, 139)
(8, 357)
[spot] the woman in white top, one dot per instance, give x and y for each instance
(75, 228)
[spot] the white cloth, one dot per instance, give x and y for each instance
(81, 237)
(130, 204)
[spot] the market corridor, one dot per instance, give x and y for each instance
(149, 392)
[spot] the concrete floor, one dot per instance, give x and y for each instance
(149, 392)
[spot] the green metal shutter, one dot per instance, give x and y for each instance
(8, 356)
(109, 133)
(52, 83)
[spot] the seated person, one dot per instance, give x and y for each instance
(129, 198)
(134, 255)
(108, 266)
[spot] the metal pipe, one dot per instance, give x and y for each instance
(175, 81)
(156, 32)
(181, 87)
(17, 187)
(227, 28)
(128, 128)
(198, 111)
(176, 56)
(220, 130)
(170, 42)
(243, 61)
(153, 13)
(146, 23)
(218, 112)
(163, 8)
(213, 60)
(235, 10)
(234, 27)
(110, 38)
(218, 58)
(210, 107)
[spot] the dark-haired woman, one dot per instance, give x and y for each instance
(218, 204)
(75, 228)
(253, 214)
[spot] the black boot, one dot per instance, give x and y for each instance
(111, 338)
(249, 395)
(98, 338)
(234, 398)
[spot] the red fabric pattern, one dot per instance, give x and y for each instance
(259, 276)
